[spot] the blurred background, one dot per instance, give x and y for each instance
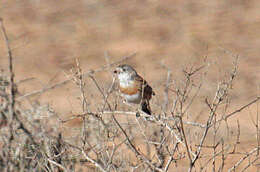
(46, 37)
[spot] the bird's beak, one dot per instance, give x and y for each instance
(117, 71)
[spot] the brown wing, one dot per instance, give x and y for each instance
(145, 89)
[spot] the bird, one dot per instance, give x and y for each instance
(133, 88)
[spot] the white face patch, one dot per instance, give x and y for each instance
(125, 80)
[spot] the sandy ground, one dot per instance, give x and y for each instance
(46, 37)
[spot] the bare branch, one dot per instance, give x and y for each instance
(11, 72)
(68, 80)
(240, 109)
(58, 165)
(243, 158)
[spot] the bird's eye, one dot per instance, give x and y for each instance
(124, 69)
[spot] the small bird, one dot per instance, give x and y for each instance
(133, 88)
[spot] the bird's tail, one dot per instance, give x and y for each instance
(146, 107)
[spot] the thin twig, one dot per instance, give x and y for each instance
(57, 164)
(250, 163)
(166, 91)
(93, 161)
(11, 73)
(138, 154)
(257, 127)
(68, 80)
(240, 109)
(243, 158)
(209, 121)
(185, 140)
